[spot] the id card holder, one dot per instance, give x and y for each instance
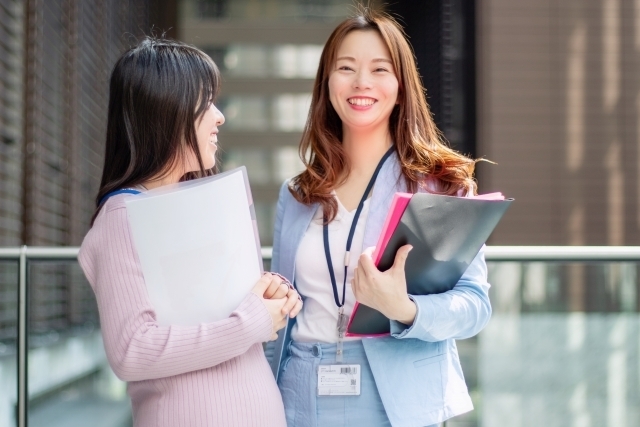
(339, 380)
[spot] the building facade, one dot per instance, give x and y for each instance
(56, 59)
(558, 109)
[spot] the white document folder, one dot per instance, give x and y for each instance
(198, 245)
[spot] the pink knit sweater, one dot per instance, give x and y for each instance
(212, 374)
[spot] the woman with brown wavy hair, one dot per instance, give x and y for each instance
(369, 134)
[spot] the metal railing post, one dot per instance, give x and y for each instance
(23, 349)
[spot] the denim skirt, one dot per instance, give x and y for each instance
(299, 381)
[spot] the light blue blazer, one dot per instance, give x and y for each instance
(416, 369)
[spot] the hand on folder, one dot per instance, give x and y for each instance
(200, 273)
(384, 291)
(446, 233)
(280, 300)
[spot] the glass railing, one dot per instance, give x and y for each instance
(563, 344)
(53, 369)
(562, 347)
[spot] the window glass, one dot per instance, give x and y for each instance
(290, 111)
(285, 112)
(256, 160)
(247, 61)
(287, 163)
(265, 166)
(245, 112)
(265, 216)
(290, 61)
(258, 61)
(270, 10)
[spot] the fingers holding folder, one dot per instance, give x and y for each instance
(446, 232)
(384, 291)
(277, 289)
(280, 305)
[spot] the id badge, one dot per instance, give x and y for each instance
(339, 380)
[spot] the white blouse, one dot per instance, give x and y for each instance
(319, 316)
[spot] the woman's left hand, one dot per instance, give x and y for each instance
(384, 291)
(279, 287)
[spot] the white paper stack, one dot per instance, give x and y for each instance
(198, 245)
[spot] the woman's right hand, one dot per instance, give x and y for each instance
(275, 306)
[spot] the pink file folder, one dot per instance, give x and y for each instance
(398, 206)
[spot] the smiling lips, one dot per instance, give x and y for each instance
(362, 102)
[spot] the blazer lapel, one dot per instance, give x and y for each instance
(388, 183)
(294, 224)
(298, 217)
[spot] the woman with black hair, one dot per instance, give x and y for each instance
(162, 128)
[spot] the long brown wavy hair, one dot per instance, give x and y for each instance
(421, 148)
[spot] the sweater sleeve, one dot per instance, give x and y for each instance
(137, 347)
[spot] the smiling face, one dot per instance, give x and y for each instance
(363, 87)
(207, 134)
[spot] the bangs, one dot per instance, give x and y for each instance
(204, 81)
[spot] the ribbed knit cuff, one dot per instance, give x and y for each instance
(264, 326)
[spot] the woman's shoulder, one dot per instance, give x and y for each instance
(285, 196)
(114, 209)
(111, 218)
(109, 230)
(289, 205)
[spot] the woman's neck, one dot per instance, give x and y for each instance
(164, 179)
(364, 149)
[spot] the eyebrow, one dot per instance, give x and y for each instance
(351, 58)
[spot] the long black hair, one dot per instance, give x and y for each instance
(157, 91)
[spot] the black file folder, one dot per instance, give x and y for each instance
(446, 233)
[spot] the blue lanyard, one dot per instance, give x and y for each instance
(325, 232)
(115, 193)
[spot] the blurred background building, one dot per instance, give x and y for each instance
(548, 90)
(558, 109)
